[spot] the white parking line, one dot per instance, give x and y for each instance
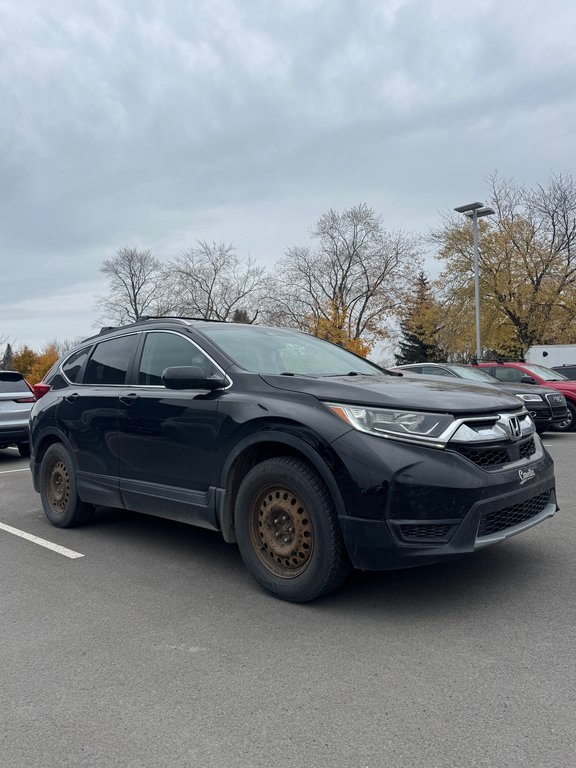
(41, 542)
(7, 471)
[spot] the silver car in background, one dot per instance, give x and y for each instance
(16, 400)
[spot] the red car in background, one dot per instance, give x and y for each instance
(530, 373)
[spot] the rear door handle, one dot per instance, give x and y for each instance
(129, 399)
(70, 398)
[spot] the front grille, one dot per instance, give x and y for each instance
(557, 404)
(492, 457)
(425, 531)
(494, 522)
(527, 448)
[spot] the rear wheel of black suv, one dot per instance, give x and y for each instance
(60, 501)
(288, 531)
(570, 424)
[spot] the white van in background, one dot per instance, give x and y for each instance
(551, 355)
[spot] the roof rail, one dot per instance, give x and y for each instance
(144, 318)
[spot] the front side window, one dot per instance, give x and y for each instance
(110, 360)
(165, 350)
(474, 374)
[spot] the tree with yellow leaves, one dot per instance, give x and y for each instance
(32, 365)
(527, 267)
(332, 325)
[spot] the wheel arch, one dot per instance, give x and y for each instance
(252, 451)
(41, 445)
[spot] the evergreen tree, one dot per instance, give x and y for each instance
(8, 358)
(241, 316)
(419, 326)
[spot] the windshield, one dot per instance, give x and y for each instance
(545, 373)
(278, 350)
(474, 374)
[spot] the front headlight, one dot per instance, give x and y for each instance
(401, 425)
(529, 398)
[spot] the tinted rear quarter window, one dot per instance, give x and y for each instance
(74, 364)
(110, 361)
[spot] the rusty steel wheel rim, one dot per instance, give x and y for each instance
(59, 487)
(281, 531)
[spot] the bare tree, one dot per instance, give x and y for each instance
(355, 273)
(136, 286)
(211, 282)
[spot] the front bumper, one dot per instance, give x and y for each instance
(432, 505)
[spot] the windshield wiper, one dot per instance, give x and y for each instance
(350, 373)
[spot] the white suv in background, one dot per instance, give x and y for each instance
(16, 400)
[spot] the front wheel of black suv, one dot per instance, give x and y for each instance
(288, 531)
(61, 503)
(569, 425)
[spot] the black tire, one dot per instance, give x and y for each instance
(57, 481)
(24, 450)
(570, 424)
(288, 531)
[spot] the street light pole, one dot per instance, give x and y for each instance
(476, 283)
(474, 211)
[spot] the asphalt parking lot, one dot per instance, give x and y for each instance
(138, 642)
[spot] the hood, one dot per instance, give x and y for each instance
(401, 392)
(563, 386)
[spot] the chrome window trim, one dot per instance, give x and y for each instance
(94, 343)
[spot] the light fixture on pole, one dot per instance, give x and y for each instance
(475, 211)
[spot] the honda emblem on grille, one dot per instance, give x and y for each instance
(514, 428)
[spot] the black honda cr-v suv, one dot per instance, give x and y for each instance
(311, 458)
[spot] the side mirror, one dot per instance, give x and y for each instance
(527, 380)
(191, 377)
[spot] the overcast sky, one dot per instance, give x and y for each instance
(157, 123)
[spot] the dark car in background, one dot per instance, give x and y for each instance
(531, 373)
(16, 400)
(546, 406)
(312, 459)
(568, 371)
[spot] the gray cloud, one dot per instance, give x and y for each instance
(156, 123)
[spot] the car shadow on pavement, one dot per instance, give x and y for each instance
(502, 573)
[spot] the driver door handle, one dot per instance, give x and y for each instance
(129, 399)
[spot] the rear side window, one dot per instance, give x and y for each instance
(513, 375)
(164, 350)
(110, 361)
(73, 365)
